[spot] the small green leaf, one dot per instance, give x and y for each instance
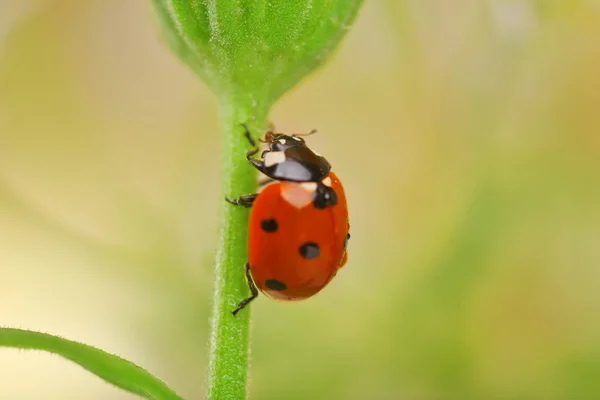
(121, 373)
(255, 47)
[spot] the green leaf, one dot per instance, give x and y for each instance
(258, 47)
(121, 373)
(249, 52)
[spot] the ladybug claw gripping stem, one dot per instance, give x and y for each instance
(253, 291)
(245, 201)
(248, 135)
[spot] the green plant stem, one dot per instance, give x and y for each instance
(229, 341)
(121, 373)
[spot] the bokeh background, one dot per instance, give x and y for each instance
(467, 134)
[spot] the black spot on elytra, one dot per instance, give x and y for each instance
(268, 225)
(274, 284)
(324, 196)
(309, 250)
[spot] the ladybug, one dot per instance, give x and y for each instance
(298, 229)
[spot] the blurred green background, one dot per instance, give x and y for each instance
(467, 134)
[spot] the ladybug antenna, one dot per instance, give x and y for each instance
(305, 134)
(268, 137)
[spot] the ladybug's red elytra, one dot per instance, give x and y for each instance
(298, 229)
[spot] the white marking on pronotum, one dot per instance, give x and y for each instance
(296, 138)
(274, 157)
(309, 186)
(327, 181)
(282, 141)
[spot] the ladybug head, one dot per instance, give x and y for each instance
(289, 158)
(282, 142)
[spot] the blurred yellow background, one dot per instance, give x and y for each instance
(467, 134)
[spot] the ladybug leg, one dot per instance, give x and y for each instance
(258, 164)
(249, 135)
(245, 200)
(250, 153)
(254, 148)
(253, 291)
